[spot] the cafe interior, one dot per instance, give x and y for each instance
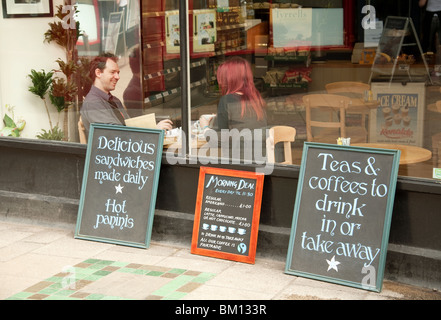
(323, 75)
(332, 71)
(339, 72)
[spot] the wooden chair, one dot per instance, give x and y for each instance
(325, 119)
(436, 138)
(82, 131)
(283, 134)
(351, 89)
(436, 150)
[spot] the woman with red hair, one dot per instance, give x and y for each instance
(241, 105)
(241, 108)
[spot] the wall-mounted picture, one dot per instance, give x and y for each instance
(172, 32)
(204, 30)
(27, 8)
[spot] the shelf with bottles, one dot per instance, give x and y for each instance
(290, 68)
(288, 77)
(265, 5)
(300, 54)
(293, 85)
(305, 59)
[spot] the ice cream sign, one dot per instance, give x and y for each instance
(399, 117)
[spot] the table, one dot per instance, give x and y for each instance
(409, 154)
(359, 103)
(195, 144)
(436, 138)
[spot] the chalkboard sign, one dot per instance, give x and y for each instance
(227, 214)
(342, 214)
(120, 182)
(399, 34)
(397, 23)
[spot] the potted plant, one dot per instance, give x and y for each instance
(41, 83)
(71, 79)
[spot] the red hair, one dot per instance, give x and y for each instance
(235, 76)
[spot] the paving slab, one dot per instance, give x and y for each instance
(44, 263)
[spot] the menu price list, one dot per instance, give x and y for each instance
(227, 214)
(227, 217)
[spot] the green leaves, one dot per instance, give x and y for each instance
(41, 82)
(8, 121)
(62, 91)
(53, 134)
(11, 129)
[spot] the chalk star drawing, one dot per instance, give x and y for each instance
(118, 188)
(332, 264)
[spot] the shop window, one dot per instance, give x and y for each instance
(58, 75)
(294, 48)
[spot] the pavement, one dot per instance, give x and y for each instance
(39, 262)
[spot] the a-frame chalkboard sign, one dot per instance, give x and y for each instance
(399, 34)
(342, 214)
(116, 27)
(120, 182)
(227, 214)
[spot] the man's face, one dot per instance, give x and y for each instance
(107, 79)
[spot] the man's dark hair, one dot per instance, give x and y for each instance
(99, 62)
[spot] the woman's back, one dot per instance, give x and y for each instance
(229, 114)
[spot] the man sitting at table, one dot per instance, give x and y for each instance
(100, 106)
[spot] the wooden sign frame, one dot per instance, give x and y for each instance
(226, 237)
(334, 243)
(131, 208)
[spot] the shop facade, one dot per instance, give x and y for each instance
(169, 52)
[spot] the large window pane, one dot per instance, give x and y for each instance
(112, 27)
(295, 49)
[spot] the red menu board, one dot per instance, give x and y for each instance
(227, 214)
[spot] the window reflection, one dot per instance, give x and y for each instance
(114, 27)
(295, 49)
